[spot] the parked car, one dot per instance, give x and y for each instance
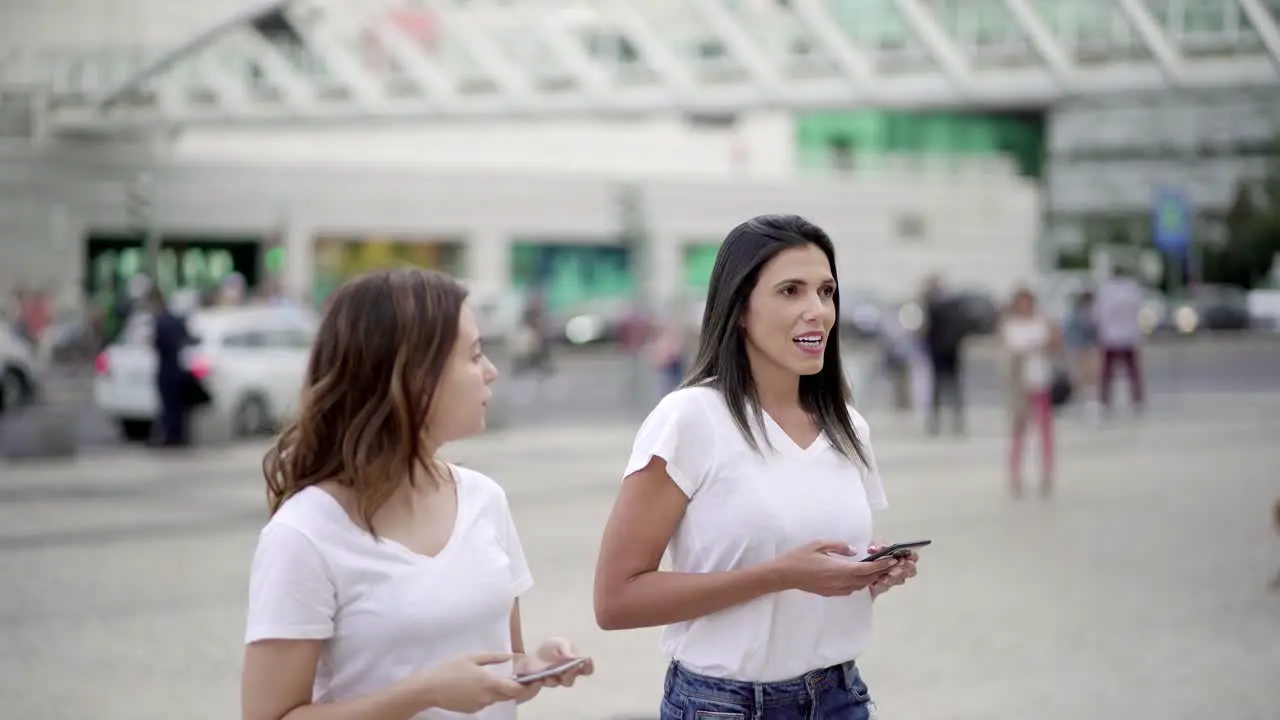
(861, 314)
(252, 361)
(498, 314)
(1210, 307)
(591, 323)
(19, 371)
(980, 310)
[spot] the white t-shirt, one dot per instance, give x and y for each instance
(383, 610)
(1118, 308)
(1029, 337)
(746, 509)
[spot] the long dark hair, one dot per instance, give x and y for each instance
(374, 371)
(722, 353)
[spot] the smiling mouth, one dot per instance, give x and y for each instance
(810, 342)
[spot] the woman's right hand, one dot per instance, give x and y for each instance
(466, 685)
(812, 568)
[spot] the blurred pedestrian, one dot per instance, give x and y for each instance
(1275, 523)
(894, 348)
(742, 477)
(1120, 335)
(943, 337)
(170, 337)
(1030, 340)
(387, 582)
(671, 347)
(1080, 335)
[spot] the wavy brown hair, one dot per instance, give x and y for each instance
(374, 368)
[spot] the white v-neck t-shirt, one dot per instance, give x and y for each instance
(383, 611)
(746, 508)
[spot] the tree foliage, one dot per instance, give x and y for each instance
(1252, 226)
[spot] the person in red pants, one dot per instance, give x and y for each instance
(1031, 340)
(1119, 335)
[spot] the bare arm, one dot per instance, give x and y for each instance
(1055, 337)
(277, 682)
(630, 591)
(529, 692)
(517, 631)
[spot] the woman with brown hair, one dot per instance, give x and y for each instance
(386, 584)
(1031, 340)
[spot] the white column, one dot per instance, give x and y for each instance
(667, 266)
(298, 275)
(488, 259)
(67, 237)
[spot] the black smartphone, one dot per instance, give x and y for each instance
(897, 550)
(548, 672)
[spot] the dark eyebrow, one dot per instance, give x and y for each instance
(797, 281)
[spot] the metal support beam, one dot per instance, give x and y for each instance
(1060, 63)
(1170, 60)
(276, 43)
(424, 71)
(337, 56)
(483, 50)
(589, 75)
(853, 62)
(232, 94)
(191, 47)
(664, 61)
(298, 93)
(741, 45)
(1265, 25)
(944, 51)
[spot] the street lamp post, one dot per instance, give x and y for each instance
(635, 238)
(140, 213)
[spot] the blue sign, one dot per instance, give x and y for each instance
(1172, 221)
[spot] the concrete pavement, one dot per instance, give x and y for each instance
(1138, 592)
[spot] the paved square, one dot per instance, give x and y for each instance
(1137, 592)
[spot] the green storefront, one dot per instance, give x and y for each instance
(849, 139)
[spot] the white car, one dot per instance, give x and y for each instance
(252, 361)
(19, 371)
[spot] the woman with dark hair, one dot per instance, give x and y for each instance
(758, 476)
(169, 337)
(386, 584)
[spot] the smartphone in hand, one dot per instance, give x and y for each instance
(549, 672)
(897, 550)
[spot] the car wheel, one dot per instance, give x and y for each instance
(252, 417)
(135, 430)
(15, 390)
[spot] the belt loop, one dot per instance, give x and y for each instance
(758, 711)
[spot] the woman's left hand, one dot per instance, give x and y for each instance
(904, 570)
(555, 651)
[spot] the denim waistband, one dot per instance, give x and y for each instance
(759, 694)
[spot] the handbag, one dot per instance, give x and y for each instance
(194, 393)
(1061, 389)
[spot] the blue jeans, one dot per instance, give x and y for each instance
(834, 693)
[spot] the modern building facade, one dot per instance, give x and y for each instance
(893, 227)
(929, 135)
(1108, 157)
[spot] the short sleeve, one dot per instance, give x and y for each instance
(679, 431)
(521, 577)
(292, 595)
(871, 481)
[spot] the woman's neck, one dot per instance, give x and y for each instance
(777, 388)
(428, 479)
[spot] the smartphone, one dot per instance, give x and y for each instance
(549, 672)
(897, 550)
